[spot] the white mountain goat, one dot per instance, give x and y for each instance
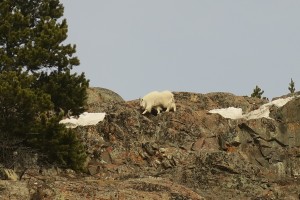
(159, 101)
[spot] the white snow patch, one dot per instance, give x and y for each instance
(281, 102)
(262, 111)
(231, 112)
(85, 119)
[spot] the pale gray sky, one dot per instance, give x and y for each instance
(135, 46)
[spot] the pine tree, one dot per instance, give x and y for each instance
(257, 92)
(31, 38)
(68, 91)
(292, 86)
(32, 35)
(61, 145)
(36, 81)
(20, 104)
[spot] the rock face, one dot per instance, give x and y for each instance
(101, 99)
(187, 154)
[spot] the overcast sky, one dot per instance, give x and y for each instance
(135, 46)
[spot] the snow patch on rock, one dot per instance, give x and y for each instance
(85, 119)
(262, 111)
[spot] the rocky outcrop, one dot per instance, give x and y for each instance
(187, 154)
(101, 99)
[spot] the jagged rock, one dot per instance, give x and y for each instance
(149, 149)
(9, 174)
(197, 146)
(14, 190)
(101, 99)
(106, 157)
(238, 152)
(192, 153)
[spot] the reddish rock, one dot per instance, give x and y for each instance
(187, 154)
(197, 146)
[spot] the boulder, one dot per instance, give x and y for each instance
(9, 174)
(101, 99)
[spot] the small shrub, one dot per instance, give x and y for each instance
(257, 92)
(292, 86)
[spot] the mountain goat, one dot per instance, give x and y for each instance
(159, 101)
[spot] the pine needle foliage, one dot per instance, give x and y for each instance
(36, 84)
(292, 86)
(257, 92)
(61, 145)
(32, 35)
(68, 91)
(20, 103)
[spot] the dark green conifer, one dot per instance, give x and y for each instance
(68, 91)
(32, 35)
(257, 92)
(20, 104)
(292, 86)
(36, 82)
(61, 145)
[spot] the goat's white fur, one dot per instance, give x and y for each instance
(158, 101)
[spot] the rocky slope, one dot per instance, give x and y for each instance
(188, 154)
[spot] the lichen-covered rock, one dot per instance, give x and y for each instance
(101, 99)
(187, 154)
